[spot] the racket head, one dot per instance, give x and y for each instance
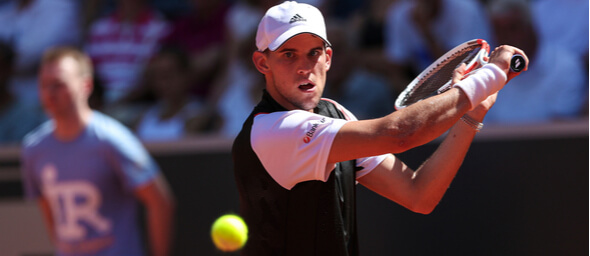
(437, 77)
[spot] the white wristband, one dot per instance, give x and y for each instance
(484, 82)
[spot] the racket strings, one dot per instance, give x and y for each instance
(442, 73)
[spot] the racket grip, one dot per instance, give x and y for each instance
(517, 63)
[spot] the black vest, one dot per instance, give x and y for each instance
(313, 218)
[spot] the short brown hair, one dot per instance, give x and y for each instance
(59, 52)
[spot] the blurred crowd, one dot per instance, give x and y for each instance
(169, 69)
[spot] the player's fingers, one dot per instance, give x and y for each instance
(515, 51)
(512, 75)
(502, 55)
(518, 51)
(458, 73)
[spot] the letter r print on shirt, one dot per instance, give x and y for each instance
(72, 202)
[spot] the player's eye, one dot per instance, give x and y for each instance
(289, 55)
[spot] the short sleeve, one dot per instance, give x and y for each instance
(368, 164)
(293, 146)
(30, 184)
(130, 158)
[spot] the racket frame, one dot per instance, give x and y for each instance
(473, 64)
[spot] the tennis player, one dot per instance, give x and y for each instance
(299, 157)
(88, 172)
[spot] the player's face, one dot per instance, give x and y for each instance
(61, 87)
(297, 72)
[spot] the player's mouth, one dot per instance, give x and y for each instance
(307, 87)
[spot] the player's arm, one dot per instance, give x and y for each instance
(401, 130)
(47, 217)
(422, 190)
(159, 205)
(413, 126)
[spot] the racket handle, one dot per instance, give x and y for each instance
(517, 63)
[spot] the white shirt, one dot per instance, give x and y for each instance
(294, 146)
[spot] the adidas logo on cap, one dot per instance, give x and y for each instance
(282, 22)
(296, 18)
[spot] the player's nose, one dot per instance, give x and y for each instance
(304, 67)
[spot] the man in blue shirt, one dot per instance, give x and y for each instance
(89, 172)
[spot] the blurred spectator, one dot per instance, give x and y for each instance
(242, 88)
(564, 23)
(567, 28)
(337, 9)
(89, 174)
(201, 33)
(370, 24)
(172, 9)
(16, 117)
(239, 86)
(367, 33)
(91, 10)
(243, 18)
(554, 87)
(167, 80)
(365, 93)
(121, 43)
(30, 27)
(418, 32)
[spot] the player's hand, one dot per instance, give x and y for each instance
(479, 112)
(459, 73)
(502, 55)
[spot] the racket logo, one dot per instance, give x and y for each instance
(517, 63)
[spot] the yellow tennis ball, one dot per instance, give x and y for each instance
(229, 233)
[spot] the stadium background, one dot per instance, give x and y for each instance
(522, 190)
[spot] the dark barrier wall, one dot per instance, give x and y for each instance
(520, 197)
(517, 197)
(510, 197)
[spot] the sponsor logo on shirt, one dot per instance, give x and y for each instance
(309, 134)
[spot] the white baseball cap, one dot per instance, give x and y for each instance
(284, 21)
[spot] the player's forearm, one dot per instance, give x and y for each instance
(160, 206)
(48, 217)
(402, 130)
(426, 120)
(436, 174)
(160, 228)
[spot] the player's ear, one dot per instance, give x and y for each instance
(329, 53)
(261, 62)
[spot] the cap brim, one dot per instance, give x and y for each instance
(276, 44)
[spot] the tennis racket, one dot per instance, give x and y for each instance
(437, 77)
